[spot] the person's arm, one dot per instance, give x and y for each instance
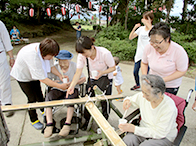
(194, 104)
(144, 68)
(81, 80)
(56, 72)
(147, 23)
(175, 75)
(78, 29)
(109, 70)
(133, 35)
(10, 53)
(75, 80)
(51, 83)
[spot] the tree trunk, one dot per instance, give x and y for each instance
(126, 17)
(184, 10)
(120, 12)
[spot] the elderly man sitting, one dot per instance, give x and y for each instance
(158, 125)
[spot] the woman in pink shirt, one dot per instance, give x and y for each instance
(165, 58)
(100, 60)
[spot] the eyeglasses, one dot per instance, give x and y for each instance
(156, 43)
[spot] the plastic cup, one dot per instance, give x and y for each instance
(94, 73)
(122, 121)
(64, 80)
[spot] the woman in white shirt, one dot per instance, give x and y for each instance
(143, 39)
(32, 64)
(158, 115)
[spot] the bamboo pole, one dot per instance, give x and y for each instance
(104, 125)
(56, 103)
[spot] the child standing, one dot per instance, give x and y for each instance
(68, 69)
(118, 79)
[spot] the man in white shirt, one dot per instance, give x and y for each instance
(5, 84)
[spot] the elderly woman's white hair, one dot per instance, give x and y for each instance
(155, 83)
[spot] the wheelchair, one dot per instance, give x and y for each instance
(181, 105)
(77, 119)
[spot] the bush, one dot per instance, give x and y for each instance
(185, 42)
(123, 49)
(115, 32)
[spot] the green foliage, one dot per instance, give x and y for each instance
(114, 32)
(123, 49)
(186, 41)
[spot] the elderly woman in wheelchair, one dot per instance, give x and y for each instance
(158, 125)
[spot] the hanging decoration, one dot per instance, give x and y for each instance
(90, 5)
(77, 8)
(134, 7)
(71, 15)
(151, 11)
(78, 16)
(92, 17)
(111, 10)
(31, 12)
(48, 12)
(63, 11)
(100, 8)
(160, 8)
(109, 18)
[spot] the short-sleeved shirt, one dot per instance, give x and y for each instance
(28, 65)
(143, 40)
(5, 43)
(118, 79)
(174, 59)
(102, 61)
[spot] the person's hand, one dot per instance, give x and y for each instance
(12, 62)
(126, 104)
(137, 25)
(70, 91)
(115, 73)
(100, 73)
(194, 105)
(64, 86)
(146, 21)
(127, 127)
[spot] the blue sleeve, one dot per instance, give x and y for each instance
(18, 31)
(11, 32)
(195, 83)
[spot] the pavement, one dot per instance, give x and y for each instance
(22, 133)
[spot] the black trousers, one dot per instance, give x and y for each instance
(104, 104)
(172, 90)
(34, 94)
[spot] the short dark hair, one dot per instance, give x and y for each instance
(49, 47)
(82, 43)
(116, 60)
(77, 22)
(148, 14)
(161, 29)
